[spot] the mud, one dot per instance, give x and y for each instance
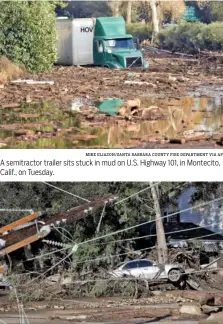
(103, 310)
(188, 91)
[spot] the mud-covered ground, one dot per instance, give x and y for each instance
(162, 307)
(187, 91)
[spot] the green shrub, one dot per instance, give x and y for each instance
(192, 37)
(142, 31)
(28, 33)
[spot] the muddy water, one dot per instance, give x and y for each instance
(185, 117)
(51, 125)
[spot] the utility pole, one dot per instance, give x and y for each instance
(161, 239)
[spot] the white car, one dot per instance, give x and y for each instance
(146, 269)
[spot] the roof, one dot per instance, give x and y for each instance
(110, 26)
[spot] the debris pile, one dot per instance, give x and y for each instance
(133, 108)
(60, 105)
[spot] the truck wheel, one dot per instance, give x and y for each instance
(174, 275)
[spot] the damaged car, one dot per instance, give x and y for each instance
(149, 270)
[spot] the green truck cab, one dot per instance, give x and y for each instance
(98, 41)
(113, 47)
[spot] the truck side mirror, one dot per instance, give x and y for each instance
(136, 42)
(100, 47)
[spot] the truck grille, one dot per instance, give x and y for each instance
(133, 62)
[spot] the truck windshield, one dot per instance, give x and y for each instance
(120, 43)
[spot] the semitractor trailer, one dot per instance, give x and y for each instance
(98, 41)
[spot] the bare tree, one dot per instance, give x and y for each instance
(115, 7)
(161, 239)
(129, 12)
(155, 17)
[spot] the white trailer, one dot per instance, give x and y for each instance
(75, 41)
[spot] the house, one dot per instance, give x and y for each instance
(209, 216)
(202, 226)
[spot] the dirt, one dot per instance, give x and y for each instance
(162, 307)
(99, 310)
(188, 91)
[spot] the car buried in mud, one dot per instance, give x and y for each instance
(149, 270)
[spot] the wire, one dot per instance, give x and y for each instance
(148, 222)
(61, 233)
(110, 234)
(135, 194)
(47, 254)
(110, 256)
(17, 210)
(144, 249)
(65, 191)
(166, 233)
(120, 254)
(100, 220)
(54, 266)
(9, 202)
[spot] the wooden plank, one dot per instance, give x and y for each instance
(21, 244)
(2, 269)
(19, 222)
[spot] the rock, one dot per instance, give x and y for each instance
(84, 137)
(130, 108)
(171, 78)
(181, 300)
(153, 112)
(26, 132)
(157, 293)
(133, 128)
(209, 309)
(123, 111)
(136, 103)
(182, 79)
(191, 310)
(216, 318)
(201, 297)
(220, 272)
(58, 307)
(67, 281)
(51, 280)
(218, 300)
(11, 105)
(70, 318)
(28, 98)
(177, 141)
(25, 116)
